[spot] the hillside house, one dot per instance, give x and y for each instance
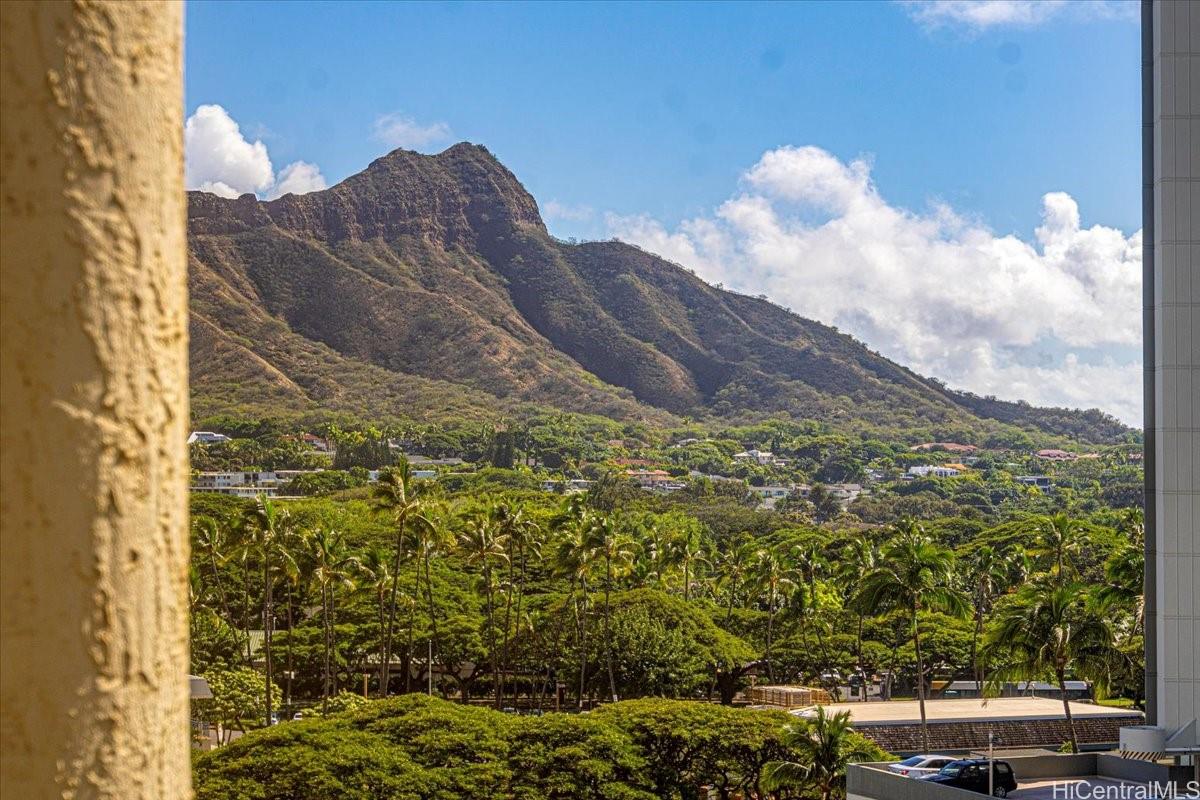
(764, 458)
(649, 478)
(206, 437)
(237, 484)
(937, 471)
(1042, 482)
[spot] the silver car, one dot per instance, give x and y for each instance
(916, 766)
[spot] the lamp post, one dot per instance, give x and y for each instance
(991, 765)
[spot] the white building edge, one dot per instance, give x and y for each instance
(1171, 318)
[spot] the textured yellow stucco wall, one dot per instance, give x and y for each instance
(93, 402)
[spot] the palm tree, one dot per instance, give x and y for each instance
(689, 553)
(574, 558)
(241, 549)
(734, 567)
(1060, 538)
(430, 538)
(482, 546)
(270, 533)
(520, 536)
(773, 577)
(1047, 628)
(989, 572)
(914, 575)
(809, 562)
(398, 493)
(856, 560)
(212, 540)
(1124, 570)
(376, 580)
(617, 550)
(333, 565)
(655, 556)
(826, 746)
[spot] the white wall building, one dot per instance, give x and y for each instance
(1171, 333)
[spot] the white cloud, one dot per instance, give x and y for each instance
(299, 177)
(553, 209)
(978, 15)
(398, 130)
(218, 154)
(934, 290)
(219, 159)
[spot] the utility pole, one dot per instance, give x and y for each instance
(991, 764)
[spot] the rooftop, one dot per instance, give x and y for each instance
(967, 710)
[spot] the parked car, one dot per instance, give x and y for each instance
(917, 766)
(972, 774)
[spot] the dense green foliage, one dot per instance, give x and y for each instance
(419, 747)
(504, 586)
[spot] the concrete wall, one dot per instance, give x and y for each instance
(870, 782)
(1132, 769)
(864, 782)
(1173, 385)
(93, 402)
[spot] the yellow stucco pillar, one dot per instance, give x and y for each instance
(93, 402)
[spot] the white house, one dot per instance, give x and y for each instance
(936, 471)
(764, 458)
(206, 437)
(238, 484)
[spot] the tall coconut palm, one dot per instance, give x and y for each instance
(1059, 538)
(734, 568)
(483, 547)
(655, 556)
(574, 558)
(520, 537)
(826, 746)
(333, 566)
(857, 559)
(431, 537)
(1047, 627)
(809, 563)
(774, 578)
(1124, 570)
(376, 581)
(989, 572)
(914, 575)
(617, 551)
(398, 494)
(690, 554)
(212, 540)
(271, 532)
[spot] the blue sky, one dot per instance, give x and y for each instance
(656, 123)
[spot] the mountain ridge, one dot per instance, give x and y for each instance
(429, 284)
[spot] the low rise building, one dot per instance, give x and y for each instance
(964, 725)
(649, 478)
(1055, 455)
(237, 484)
(206, 437)
(764, 458)
(1041, 482)
(936, 470)
(1076, 690)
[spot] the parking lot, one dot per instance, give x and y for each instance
(1081, 789)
